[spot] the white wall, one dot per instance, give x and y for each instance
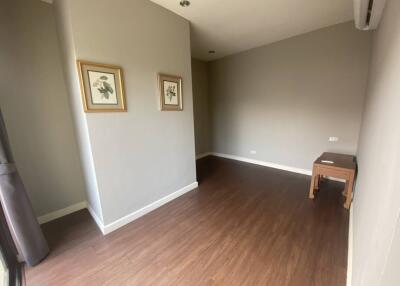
(391, 276)
(201, 107)
(142, 155)
(376, 206)
(66, 39)
(34, 103)
(285, 100)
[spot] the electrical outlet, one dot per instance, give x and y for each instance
(253, 152)
(333, 139)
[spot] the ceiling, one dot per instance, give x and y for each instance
(232, 26)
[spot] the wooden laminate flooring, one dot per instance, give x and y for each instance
(244, 225)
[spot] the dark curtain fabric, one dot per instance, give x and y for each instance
(21, 220)
(8, 250)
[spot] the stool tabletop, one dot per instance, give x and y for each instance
(337, 160)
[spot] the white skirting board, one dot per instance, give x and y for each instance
(62, 212)
(150, 207)
(263, 163)
(199, 156)
(96, 219)
(106, 229)
(350, 250)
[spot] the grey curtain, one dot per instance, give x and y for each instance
(21, 220)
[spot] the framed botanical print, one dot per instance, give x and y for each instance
(170, 92)
(101, 87)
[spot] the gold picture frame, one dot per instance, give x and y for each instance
(170, 88)
(102, 87)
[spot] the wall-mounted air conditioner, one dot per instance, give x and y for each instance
(367, 13)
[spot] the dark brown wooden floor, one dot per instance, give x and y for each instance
(244, 225)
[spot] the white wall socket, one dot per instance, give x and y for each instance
(253, 152)
(333, 139)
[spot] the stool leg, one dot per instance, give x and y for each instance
(346, 188)
(349, 192)
(316, 182)
(312, 185)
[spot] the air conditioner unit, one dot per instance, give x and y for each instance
(367, 13)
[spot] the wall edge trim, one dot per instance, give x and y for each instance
(350, 250)
(96, 219)
(147, 209)
(106, 229)
(266, 164)
(202, 155)
(62, 212)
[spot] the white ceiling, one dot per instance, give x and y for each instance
(231, 26)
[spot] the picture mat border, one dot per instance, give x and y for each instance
(164, 81)
(91, 93)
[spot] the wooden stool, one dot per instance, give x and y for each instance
(338, 166)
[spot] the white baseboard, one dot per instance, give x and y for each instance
(141, 212)
(268, 164)
(265, 164)
(350, 250)
(203, 155)
(106, 229)
(96, 219)
(62, 212)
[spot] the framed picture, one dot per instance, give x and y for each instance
(170, 92)
(101, 87)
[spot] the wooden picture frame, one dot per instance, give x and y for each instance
(170, 89)
(102, 87)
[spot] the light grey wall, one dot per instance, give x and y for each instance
(67, 44)
(142, 155)
(376, 205)
(391, 276)
(201, 107)
(34, 102)
(285, 99)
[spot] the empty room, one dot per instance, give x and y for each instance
(199, 142)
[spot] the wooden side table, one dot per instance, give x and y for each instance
(338, 166)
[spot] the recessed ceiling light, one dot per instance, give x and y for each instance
(184, 3)
(211, 52)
